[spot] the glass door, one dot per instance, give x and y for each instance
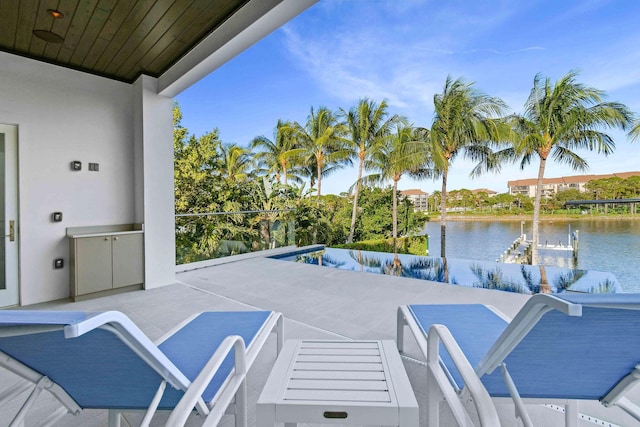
(9, 215)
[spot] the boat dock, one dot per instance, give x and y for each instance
(519, 252)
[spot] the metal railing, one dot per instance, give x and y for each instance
(210, 235)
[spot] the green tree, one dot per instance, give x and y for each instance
(322, 221)
(561, 197)
(434, 200)
(524, 203)
(368, 125)
(237, 162)
(632, 187)
(312, 225)
(463, 123)
(503, 201)
(322, 141)
(481, 200)
(598, 188)
(401, 154)
(557, 120)
(374, 223)
(273, 200)
(277, 155)
(196, 166)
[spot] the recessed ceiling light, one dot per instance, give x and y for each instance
(55, 13)
(48, 36)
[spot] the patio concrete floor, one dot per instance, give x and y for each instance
(317, 302)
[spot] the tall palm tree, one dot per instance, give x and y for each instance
(402, 153)
(277, 154)
(236, 162)
(557, 120)
(368, 124)
(463, 123)
(322, 141)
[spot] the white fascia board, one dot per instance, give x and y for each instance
(251, 23)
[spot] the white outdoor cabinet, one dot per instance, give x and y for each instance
(104, 262)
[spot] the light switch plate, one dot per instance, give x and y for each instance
(76, 165)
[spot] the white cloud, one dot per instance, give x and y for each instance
(403, 51)
(373, 56)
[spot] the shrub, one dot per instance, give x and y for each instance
(413, 245)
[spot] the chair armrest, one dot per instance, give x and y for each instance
(193, 395)
(485, 408)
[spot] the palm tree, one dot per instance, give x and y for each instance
(403, 152)
(368, 124)
(463, 123)
(236, 162)
(322, 142)
(557, 120)
(278, 154)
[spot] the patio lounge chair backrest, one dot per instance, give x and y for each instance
(573, 357)
(103, 360)
(96, 369)
(566, 347)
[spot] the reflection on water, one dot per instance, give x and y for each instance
(606, 244)
(480, 274)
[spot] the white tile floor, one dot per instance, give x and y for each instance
(316, 302)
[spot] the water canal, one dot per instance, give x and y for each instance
(608, 245)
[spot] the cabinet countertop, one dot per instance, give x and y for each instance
(105, 233)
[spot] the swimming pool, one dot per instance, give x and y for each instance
(479, 274)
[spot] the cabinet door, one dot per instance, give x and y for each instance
(93, 264)
(128, 264)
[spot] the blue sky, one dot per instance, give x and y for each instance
(340, 51)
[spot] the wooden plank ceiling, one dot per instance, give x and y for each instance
(118, 39)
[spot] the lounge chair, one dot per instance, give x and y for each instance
(102, 360)
(556, 349)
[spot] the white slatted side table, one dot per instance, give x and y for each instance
(341, 382)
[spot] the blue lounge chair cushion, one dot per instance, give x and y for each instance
(561, 356)
(474, 326)
(41, 317)
(209, 330)
(572, 357)
(98, 370)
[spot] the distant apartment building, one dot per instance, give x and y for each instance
(418, 197)
(552, 186)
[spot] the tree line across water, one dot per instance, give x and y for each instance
(612, 188)
(557, 121)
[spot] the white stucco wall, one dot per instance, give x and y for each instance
(63, 115)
